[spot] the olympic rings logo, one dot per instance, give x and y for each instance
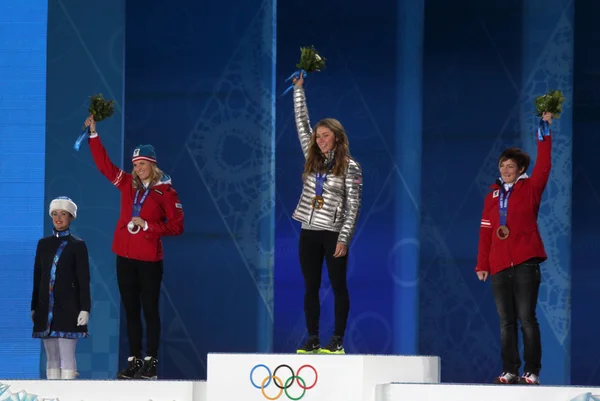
(282, 385)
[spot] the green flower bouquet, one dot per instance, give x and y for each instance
(310, 61)
(101, 109)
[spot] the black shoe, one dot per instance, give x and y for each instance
(134, 365)
(311, 346)
(335, 346)
(148, 371)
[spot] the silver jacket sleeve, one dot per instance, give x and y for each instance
(353, 190)
(302, 120)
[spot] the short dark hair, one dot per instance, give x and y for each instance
(519, 156)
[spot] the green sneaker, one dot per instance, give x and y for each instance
(311, 346)
(335, 346)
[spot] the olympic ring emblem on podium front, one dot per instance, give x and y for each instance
(283, 387)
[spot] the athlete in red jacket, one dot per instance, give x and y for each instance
(511, 250)
(150, 208)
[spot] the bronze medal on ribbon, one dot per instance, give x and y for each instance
(132, 228)
(503, 232)
(318, 202)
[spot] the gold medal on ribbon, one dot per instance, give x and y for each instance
(503, 232)
(318, 202)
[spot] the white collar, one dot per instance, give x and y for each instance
(508, 185)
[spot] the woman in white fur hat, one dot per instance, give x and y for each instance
(60, 303)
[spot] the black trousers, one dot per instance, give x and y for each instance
(516, 294)
(314, 247)
(139, 286)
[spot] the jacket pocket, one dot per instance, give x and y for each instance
(335, 212)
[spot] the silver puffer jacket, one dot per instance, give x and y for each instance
(342, 194)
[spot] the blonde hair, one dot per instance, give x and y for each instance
(156, 175)
(314, 160)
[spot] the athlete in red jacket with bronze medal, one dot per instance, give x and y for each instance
(511, 250)
(150, 209)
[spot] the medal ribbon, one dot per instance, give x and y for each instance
(320, 180)
(543, 130)
(503, 206)
(137, 206)
(82, 137)
(296, 74)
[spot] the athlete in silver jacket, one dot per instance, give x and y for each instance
(342, 195)
(328, 210)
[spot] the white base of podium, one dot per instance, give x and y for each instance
(235, 377)
(475, 392)
(104, 390)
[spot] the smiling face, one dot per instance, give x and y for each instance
(143, 169)
(325, 139)
(509, 171)
(61, 219)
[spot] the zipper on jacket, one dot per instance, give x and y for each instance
(312, 211)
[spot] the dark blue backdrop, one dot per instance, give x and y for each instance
(427, 104)
(199, 87)
(479, 76)
(586, 197)
(85, 56)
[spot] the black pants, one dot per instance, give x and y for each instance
(139, 286)
(314, 247)
(516, 293)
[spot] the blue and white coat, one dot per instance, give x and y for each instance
(61, 286)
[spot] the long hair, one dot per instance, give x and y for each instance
(315, 159)
(156, 175)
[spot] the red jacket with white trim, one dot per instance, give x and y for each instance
(524, 241)
(161, 210)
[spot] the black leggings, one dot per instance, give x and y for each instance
(139, 286)
(314, 247)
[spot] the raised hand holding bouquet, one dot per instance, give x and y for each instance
(551, 103)
(310, 61)
(100, 109)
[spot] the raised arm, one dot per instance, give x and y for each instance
(174, 211)
(353, 187)
(543, 164)
(115, 175)
(302, 120)
(485, 240)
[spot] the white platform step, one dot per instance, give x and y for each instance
(102, 390)
(474, 392)
(237, 377)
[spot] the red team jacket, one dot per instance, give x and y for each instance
(162, 211)
(524, 241)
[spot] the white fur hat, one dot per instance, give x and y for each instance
(63, 203)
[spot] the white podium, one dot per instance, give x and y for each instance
(478, 392)
(101, 390)
(249, 377)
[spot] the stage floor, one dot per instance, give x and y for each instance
(255, 377)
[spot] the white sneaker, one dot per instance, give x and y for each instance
(529, 378)
(507, 378)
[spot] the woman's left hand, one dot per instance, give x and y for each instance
(547, 117)
(83, 318)
(340, 250)
(138, 221)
